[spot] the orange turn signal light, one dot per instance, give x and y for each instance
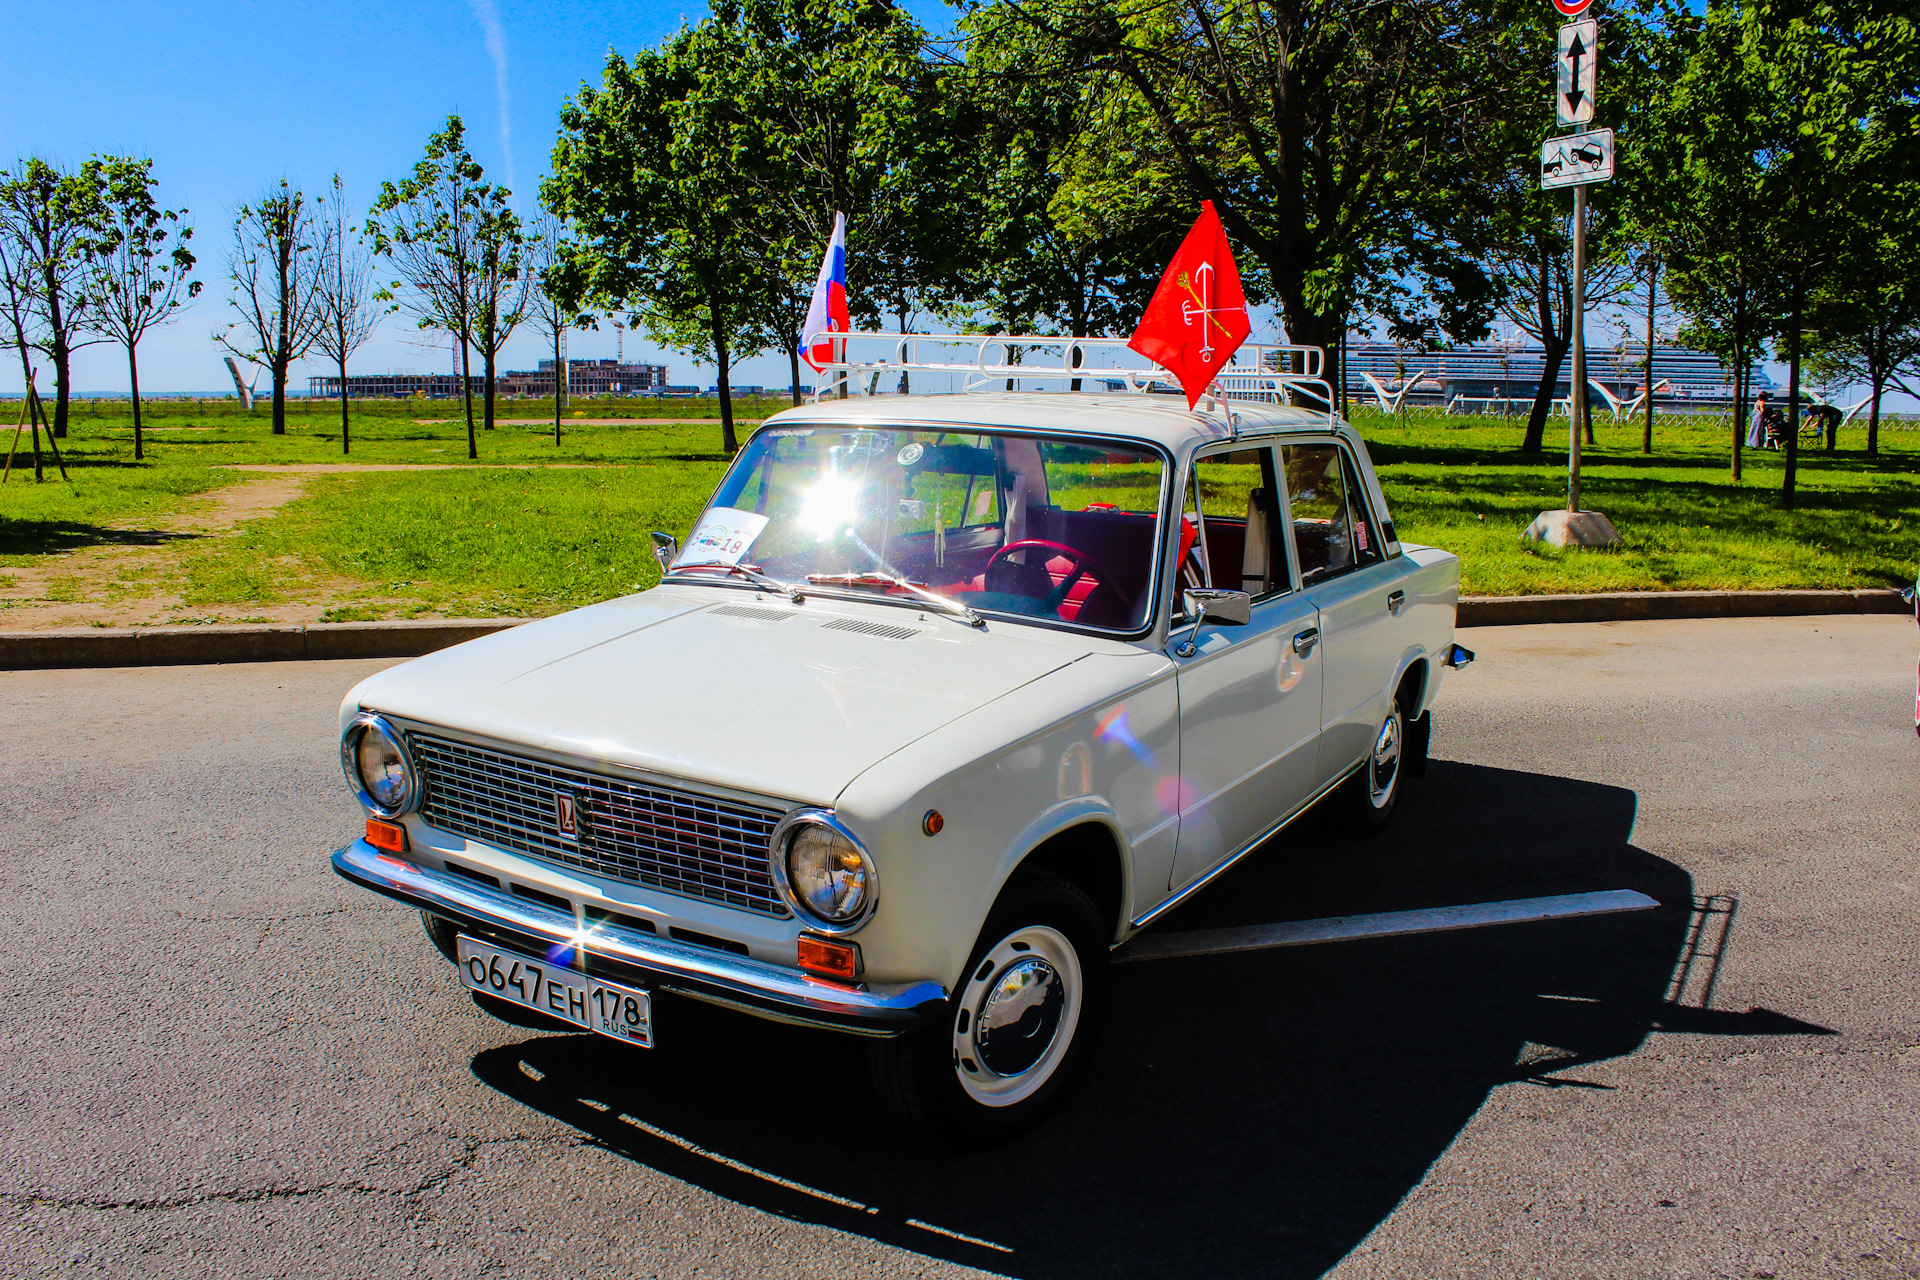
(390, 836)
(837, 960)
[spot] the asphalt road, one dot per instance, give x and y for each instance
(220, 1060)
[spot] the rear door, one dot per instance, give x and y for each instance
(1352, 583)
(1249, 700)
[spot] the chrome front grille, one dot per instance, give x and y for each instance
(657, 836)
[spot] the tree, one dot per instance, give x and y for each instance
(452, 238)
(1703, 200)
(1872, 333)
(546, 250)
(53, 220)
(1532, 259)
(644, 173)
(17, 293)
(140, 262)
(1075, 227)
(274, 268)
(825, 106)
(503, 285)
(1344, 143)
(1785, 111)
(349, 309)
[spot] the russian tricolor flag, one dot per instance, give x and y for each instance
(827, 313)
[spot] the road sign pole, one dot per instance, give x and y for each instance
(1577, 401)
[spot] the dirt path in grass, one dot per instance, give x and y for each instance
(121, 579)
(597, 422)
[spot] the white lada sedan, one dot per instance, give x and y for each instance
(943, 699)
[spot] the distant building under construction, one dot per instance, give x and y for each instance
(584, 378)
(587, 378)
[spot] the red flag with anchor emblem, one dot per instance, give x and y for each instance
(1198, 316)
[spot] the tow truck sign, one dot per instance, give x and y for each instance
(1575, 159)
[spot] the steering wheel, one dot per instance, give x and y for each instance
(1083, 564)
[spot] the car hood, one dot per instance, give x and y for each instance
(724, 687)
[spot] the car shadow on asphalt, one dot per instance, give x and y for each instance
(1249, 1114)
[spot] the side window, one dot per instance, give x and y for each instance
(1368, 546)
(1331, 529)
(1237, 504)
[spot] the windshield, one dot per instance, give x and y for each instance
(1056, 529)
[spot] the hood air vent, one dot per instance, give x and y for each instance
(750, 611)
(879, 629)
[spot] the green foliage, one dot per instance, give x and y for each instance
(1346, 145)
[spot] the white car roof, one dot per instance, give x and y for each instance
(1157, 419)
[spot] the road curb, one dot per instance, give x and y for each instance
(182, 646)
(1638, 606)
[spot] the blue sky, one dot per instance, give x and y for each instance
(229, 95)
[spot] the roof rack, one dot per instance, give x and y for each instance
(1000, 361)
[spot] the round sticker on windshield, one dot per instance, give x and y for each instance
(912, 454)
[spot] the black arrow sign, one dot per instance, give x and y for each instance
(1575, 53)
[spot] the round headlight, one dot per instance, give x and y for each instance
(822, 871)
(376, 764)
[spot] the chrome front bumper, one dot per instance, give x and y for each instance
(738, 982)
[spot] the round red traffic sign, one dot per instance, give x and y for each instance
(1572, 8)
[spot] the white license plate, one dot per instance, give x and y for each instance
(625, 1013)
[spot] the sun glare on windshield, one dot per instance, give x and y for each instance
(1057, 530)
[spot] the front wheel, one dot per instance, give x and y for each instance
(1017, 1029)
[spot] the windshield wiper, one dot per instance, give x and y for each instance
(872, 579)
(752, 572)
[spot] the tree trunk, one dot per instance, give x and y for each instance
(280, 397)
(793, 358)
(1873, 420)
(1793, 398)
(729, 443)
(1646, 438)
(35, 412)
(62, 388)
(1739, 398)
(133, 379)
(346, 436)
(487, 357)
(466, 396)
(559, 384)
(1555, 351)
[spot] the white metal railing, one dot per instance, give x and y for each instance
(984, 362)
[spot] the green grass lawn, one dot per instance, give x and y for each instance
(541, 538)
(1458, 483)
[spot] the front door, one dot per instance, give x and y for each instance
(1249, 696)
(1350, 581)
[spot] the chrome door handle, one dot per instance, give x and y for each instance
(1394, 600)
(1304, 642)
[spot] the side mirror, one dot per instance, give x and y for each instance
(665, 548)
(1214, 604)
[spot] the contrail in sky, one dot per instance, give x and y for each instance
(497, 50)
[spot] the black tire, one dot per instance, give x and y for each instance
(1373, 793)
(442, 932)
(942, 1082)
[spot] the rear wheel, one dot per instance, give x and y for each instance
(1374, 791)
(1017, 1029)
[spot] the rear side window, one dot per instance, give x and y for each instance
(1332, 530)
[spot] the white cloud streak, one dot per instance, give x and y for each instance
(496, 38)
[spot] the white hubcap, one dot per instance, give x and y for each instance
(1018, 1011)
(1383, 771)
